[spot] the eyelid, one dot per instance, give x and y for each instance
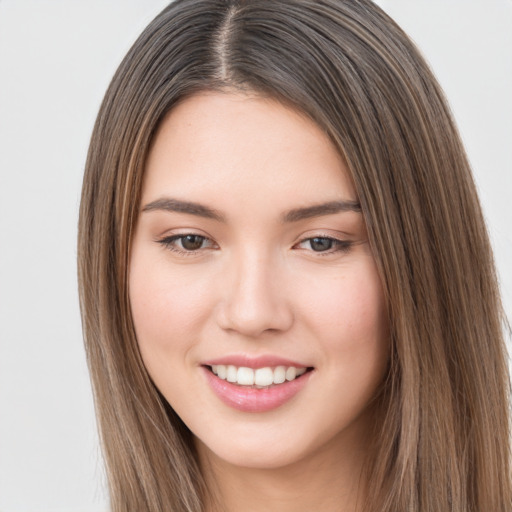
(169, 242)
(340, 244)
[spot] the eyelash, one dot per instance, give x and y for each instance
(169, 243)
(336, 245)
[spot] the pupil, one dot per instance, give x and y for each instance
(192, 242)
(321, 244)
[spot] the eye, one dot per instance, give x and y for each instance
(192, 242)
(321, 244)
(324, 244)
(186, 243)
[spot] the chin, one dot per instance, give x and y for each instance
(252, 455)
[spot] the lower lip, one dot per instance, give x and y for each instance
(248, 399)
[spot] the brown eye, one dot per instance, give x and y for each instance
(187, 243)
(192, 242)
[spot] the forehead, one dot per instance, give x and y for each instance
(216, 145)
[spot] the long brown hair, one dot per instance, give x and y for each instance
(442, 438)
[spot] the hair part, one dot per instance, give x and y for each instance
(441, 442)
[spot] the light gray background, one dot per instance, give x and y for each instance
(56, 59)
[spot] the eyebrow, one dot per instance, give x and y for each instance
(295, 215)
(319, 210)
(176, 205)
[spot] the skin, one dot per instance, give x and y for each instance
(256, 284)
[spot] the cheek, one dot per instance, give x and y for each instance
(353, 303)
(349, 317)
(167, 308)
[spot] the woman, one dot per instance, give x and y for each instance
(287, 288)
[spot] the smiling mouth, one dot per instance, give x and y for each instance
(259, 378)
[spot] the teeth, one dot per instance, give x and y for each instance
(291, 373)
(231, 374)
(261, 377)
(221, 371)
(279, 375)
(245, 376)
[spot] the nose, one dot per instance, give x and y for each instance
(254, 298)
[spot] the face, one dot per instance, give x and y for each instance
(257, 305)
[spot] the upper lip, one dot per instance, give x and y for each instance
(262, 361)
